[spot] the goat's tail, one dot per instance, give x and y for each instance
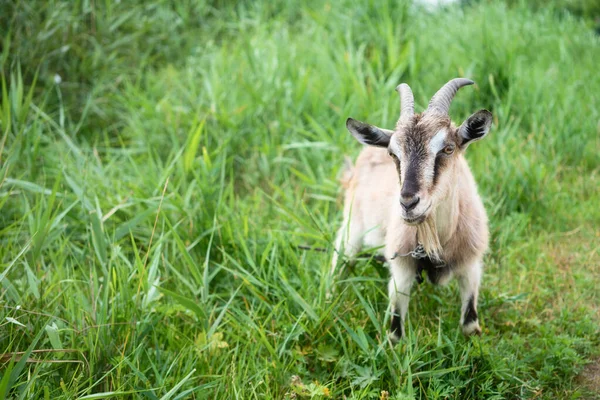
(347, 172)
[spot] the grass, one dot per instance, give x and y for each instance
(153, 200)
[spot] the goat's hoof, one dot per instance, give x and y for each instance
(394, 337)
(471, 329)
(330, 294)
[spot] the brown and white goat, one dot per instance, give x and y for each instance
(433, 220)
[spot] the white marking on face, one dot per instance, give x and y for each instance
(437, 142)
(396, 148)
(395, 145)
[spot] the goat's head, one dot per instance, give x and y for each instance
(425, 147)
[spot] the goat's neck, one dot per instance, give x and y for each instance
(446, 214)
(439, 227)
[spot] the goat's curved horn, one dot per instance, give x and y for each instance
(407, 101)
(440, 102)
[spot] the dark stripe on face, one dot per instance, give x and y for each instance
(470, 313)
(396, 162)
(440, 162)
(411, 184)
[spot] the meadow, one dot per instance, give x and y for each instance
(161, 162)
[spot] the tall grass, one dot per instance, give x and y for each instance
(161, 163)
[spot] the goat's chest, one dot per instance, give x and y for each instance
(437, 273)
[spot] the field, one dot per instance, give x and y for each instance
(162, 162)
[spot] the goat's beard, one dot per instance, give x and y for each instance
(427, 235)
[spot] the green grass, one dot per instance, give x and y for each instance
(152, 202)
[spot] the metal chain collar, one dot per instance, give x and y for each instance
(419, 253)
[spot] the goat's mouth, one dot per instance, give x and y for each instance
(416, 220)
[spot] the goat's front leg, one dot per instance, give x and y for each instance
(403, 275)
(469, 278)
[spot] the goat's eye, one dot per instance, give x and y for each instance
(448, 149)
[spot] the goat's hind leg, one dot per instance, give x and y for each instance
(469, 279)
(347, 244)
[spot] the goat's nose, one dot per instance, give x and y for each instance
(408, 203)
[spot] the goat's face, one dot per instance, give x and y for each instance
(425, 148)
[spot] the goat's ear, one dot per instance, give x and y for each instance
(368, 134)
(475, 127)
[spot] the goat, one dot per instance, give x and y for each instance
(439, 225)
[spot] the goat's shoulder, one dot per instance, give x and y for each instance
(375, 171)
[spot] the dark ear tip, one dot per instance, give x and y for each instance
(483, 115)
(350, 122)
(488, 116)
